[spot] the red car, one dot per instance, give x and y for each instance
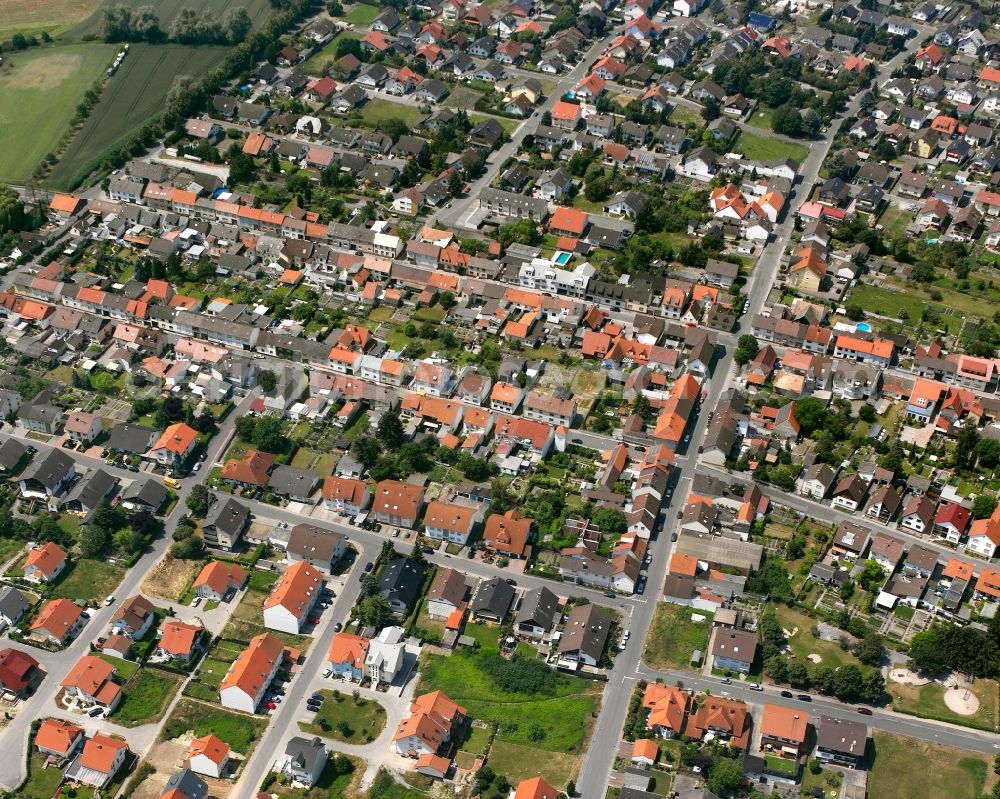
(313, 621)
(270, 705)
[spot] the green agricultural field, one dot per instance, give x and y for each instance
(41, 89)
(240, 731)
(134, 95)
(88, 581)
(166, 10)
(31, 17)
(554, 716)
(147, 695)
(955, 773)
(763, 148)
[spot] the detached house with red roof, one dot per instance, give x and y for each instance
(433, 719)
(58, 740)
(59, 621)
(91, 683)
(508, 534)
(346, 656)
(984, 536)
(667, 707)
(218, 581)
(208, 755)
(99, 761)
(175, 446)
(45, 563)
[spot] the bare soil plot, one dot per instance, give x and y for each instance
(170, 577)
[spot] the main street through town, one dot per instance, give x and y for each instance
(603, 748)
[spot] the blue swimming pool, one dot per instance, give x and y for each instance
(562, 258)
(863, 327)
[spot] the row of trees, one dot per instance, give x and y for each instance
(124, 24)
(952, 648)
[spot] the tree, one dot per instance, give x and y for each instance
(610, 521)
(268, 380)
(374, 611)
(798, 674)
(390, 431)
(988, 452)
(926, 654)
(809, 413)
(242, 168)
(367, 450)
(455, 184)
(236, 24)
(872, 576)
(872, 687)
(199, 500)
(346, 46)
(94, 541)
(870, 650)
(19, 41)
(866, 413)
(12, 216)
(191, 548)
(983, 506)
(776, 667)
(725, 776)
(746, 350)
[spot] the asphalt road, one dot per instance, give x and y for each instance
(884, 720)
(829, 514)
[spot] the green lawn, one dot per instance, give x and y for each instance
(828, 781)
(43, 781)
(803, 643)
(522, 762)
(362, 15)
(886, 302)
(88, 581)
(927, 701)
(763, 148)
(147, 695)
(319, 62)
(343, 718)
(476, 740)
(906, 768)
(125, 668)
(781, 766)
(41, 89)
(673, 637)
(238, 730)
(377, 110)
(762, 118)
(554, 719)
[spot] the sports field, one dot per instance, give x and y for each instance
(31, 17)
(41, 89)
(135, 93)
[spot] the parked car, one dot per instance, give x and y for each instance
(865, 711)
(196, 601)
(609, 594)
(756, 686)
(326, 673)
(108, 601)
(805, 698)
(787, 694)
(369, 566)
(94, 712)
(338, 627)
(510, 581)
(726, 681)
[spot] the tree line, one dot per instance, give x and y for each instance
(123, 24)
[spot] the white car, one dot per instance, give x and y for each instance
(326, 673)
(196, 601)
(108, 601)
